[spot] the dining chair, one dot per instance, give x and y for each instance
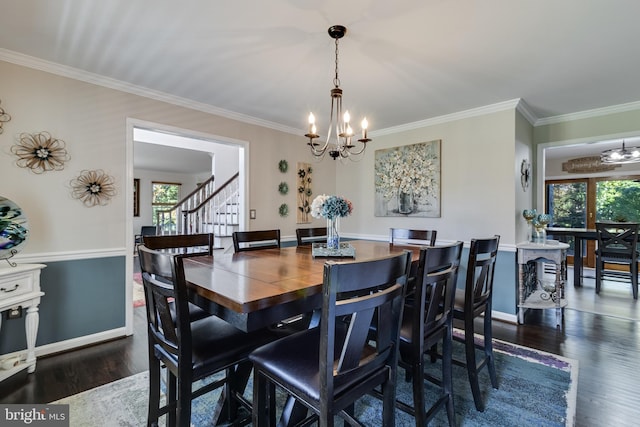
(308, 236)
(190, 351)
(415, 237)
(409, 236)
(473, 301)
(255, 240)
(194, 244)
(197, 244)
(427, 322)
(329, 367)
(145, 230)
(617, 250)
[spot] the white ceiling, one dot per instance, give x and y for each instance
(401, 61)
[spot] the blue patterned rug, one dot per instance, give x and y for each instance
(535, 389)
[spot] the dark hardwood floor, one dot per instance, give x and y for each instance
(607, 347)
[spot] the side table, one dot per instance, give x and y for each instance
(536, 289)
(20, 287)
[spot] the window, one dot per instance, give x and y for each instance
(580, 203)
(165, 196)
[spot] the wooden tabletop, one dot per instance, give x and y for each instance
(256, 288)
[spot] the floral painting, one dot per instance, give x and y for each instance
(407, 180)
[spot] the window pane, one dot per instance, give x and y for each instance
(567, 203)
(618, 200)
(164, 197)
(165, 193)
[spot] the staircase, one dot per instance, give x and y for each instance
(205, 210)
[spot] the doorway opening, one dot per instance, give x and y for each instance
(163, 153)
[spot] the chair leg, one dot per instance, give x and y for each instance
(598, 276)
(418, 391)
(488, 347)
(154, 392)
(264, 404)
(634, 279)
(389, 399)
(447, 375)
(184, 402)
(172, 398)
(472, 367)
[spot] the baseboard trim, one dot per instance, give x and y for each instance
(76, 343)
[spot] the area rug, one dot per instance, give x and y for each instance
(138, 290)
(535, 389)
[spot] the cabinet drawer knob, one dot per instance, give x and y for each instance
(10, 290)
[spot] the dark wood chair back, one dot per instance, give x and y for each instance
(404, 235)
(193, 244)
(255, 240)
(330, 367)
(617, 241)
(617, 244)
(483, 254)
(428, 321)
(190, 351)
(145, 230)
(160, 296)
(473, 301)
(308, 236)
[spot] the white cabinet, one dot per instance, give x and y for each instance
(538, 289)
(20, 287)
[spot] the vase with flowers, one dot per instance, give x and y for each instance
(332, 208)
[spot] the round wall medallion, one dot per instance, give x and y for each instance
(283, 188)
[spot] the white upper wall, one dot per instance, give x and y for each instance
(92, 120)
(477, 180)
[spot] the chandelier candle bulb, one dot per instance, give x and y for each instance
(364, 125)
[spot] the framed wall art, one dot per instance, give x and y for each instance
(136, 196)
(407, 180)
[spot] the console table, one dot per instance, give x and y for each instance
(20, 287)
(535, 288)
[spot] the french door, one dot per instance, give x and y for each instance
(580, 203)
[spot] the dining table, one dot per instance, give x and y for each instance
(254, 290)
(579, 235)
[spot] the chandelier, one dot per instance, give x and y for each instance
(621, 155)
(345, 143)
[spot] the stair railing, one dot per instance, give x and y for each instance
(204, 210)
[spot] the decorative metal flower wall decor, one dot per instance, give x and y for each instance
(4, 117)
(40, 152)
(304, 193)
(93, 188)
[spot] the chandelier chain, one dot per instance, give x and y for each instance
(336, 80)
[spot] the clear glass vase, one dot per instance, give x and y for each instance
(405, 202)
(333, 233)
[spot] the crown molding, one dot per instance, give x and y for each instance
(474, 112)
(87, 77)
(596, 112)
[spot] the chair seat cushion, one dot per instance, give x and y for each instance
(217, 344)
(295, 361)
(195, 312)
